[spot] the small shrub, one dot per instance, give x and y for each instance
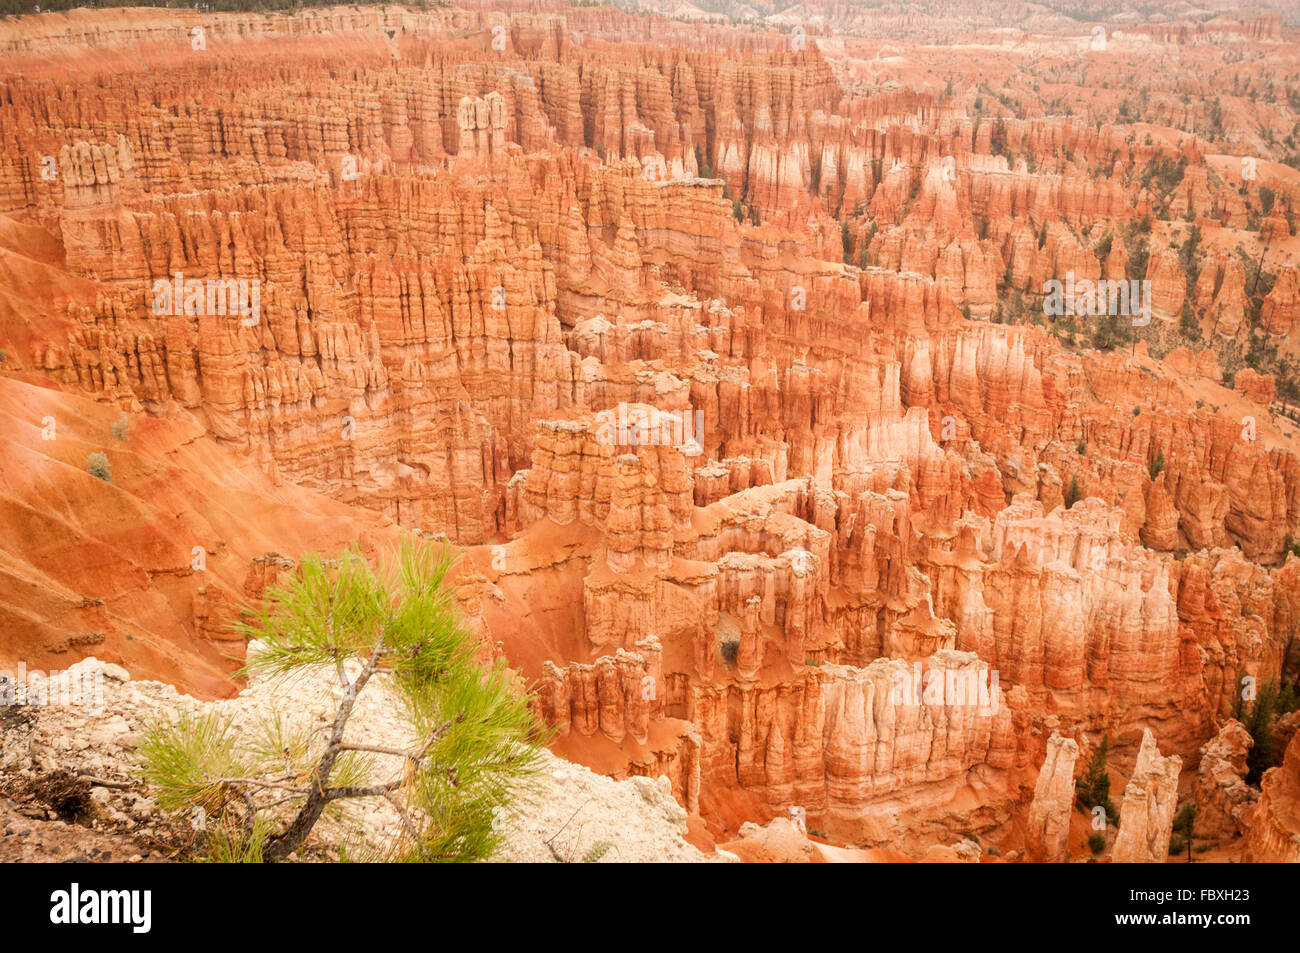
(1097, 842)
(97, 466)
(1157, 466)
(597, 851)
(122, 428)
(1290, 546)
(1177, 844)
(1082, 448)
(730, 650)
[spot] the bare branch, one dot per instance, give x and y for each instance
(354, 790)
(555, 853)
(101, 782)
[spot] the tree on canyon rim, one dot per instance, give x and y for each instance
(474, 743)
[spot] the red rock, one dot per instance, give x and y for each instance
(1273, 836)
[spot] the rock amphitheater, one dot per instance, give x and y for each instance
(490, 241)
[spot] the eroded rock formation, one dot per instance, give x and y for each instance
(1224, 802)
(1049, 812)
(1147, 813)
(1273, 836)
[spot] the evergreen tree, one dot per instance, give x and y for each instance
(1157, 466)
(1073, 493)
(1259, 722)
(1184, 828)
(474, 739)
(1093, 789)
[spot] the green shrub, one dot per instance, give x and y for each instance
(1097, 842)
(1157, 466)
(1290, 546)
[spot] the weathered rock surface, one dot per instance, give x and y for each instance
(1049, 812)
(1224, 802)
(1273, 836)
(1150, 801)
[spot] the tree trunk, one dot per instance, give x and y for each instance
(284, 844)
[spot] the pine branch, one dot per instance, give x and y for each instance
(285, 843)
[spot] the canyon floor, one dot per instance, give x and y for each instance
(852, 420)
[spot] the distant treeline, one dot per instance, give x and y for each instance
(21, 7)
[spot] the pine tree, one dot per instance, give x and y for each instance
(1093, 789)
(1073, 493)
(1259, 722)
(1184, 828)
(1157, 466)
(475, 741)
